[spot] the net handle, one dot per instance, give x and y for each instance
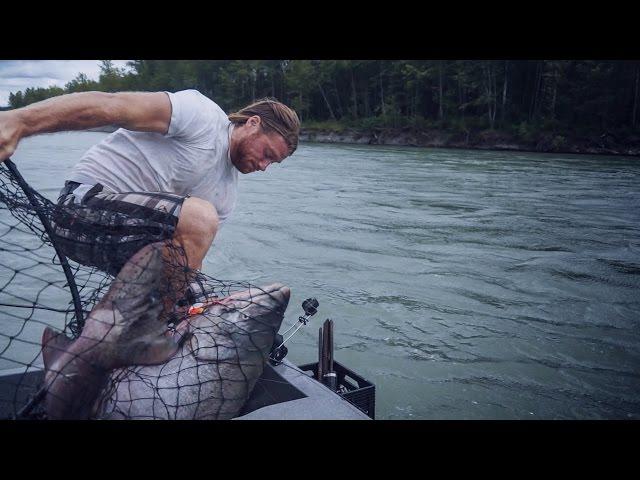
(29, 192)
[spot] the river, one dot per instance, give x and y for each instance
(464, 284)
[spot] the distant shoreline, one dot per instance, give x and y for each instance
(481, 140)
(605, 144)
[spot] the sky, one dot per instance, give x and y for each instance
(18, 75)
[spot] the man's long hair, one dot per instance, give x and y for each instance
(275, 117)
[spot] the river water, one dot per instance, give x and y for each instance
(464, 284)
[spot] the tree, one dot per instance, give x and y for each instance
(81, 83)
(300, 85)
(636, 96)
(16, 100)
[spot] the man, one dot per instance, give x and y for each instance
(169, 172)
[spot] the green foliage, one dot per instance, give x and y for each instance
(81, 84)
(526, 131)
(524, 97)
(558, 142)
(32, 95)
(418, 122)
(328, 125)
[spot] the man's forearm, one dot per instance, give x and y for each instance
(140, 111)
(76, 111)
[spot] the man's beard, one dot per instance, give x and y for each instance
(242, 155)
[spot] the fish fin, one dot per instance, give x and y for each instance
(53, 345)
(161, 349)
(144, 273)
(128, 321)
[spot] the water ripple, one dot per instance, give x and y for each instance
(465, 284)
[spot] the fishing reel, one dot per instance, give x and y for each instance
(310, 307)
(278, 350)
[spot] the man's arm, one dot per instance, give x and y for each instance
(141, 111)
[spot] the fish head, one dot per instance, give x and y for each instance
(265, 304)
(243, 322)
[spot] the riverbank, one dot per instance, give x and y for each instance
(605, 144)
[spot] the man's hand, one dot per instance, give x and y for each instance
(11, 129)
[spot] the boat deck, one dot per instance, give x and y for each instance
(283, 392)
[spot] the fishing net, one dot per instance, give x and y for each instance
(158, 340)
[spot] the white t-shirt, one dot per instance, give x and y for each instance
(191, 159)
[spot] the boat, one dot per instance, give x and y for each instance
(283, 392)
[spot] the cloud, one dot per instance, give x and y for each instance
(18, 75)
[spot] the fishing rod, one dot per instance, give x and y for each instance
(310, 307)
(325, 372)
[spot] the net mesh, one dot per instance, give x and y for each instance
(127, 346)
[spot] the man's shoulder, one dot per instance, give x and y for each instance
(195, 118)
(197, 97)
